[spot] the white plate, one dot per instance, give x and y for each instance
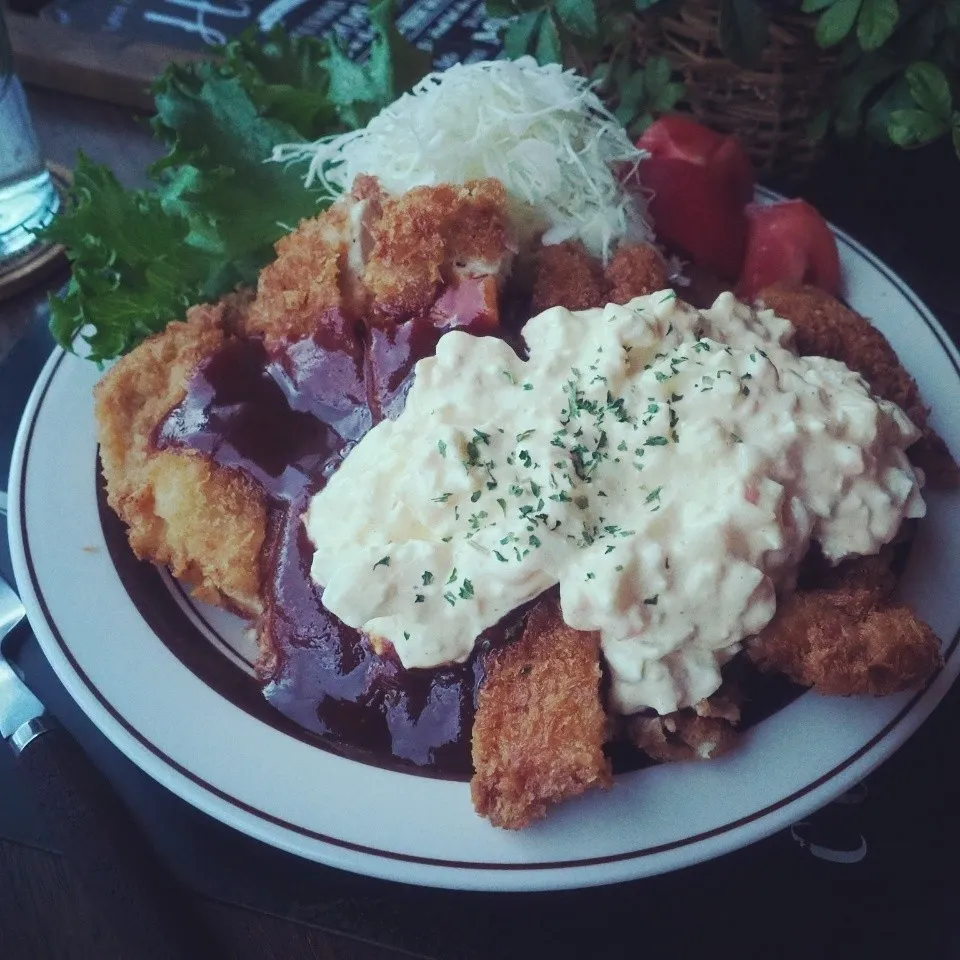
(93, 618)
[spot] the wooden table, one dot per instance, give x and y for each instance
(900, 207)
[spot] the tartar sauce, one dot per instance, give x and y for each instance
(668, 467)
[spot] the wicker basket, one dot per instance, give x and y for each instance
(770, 107)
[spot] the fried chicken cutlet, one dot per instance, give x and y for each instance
(382, 259)
(540, 725)
(826, 328)
(567, 275)
(847, 637)
(205, 522)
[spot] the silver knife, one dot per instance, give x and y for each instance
(149, 915)
(21, 713)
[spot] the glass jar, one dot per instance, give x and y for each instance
(28, 197)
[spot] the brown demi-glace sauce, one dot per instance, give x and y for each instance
(285, 417)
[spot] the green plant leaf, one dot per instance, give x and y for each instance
(578, 16)
(837, 21)
(520, 36)
(951, 12)
(744, 30)
(914, 128)
(600, 76)
(876, 23)
(896, 96)
(286, 77)
(622, 72)
(643, 5)
(815, 6)
(859, 86)
(500, 9)
(669, 97)
(930, 89)
(819, 125)
(548, 48)
(216, 175)
(656, 75)
(632, 97)
(124, 248)
(639, 125)
(361, 90)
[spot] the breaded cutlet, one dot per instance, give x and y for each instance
(636, 270)
(431, 236)
(540, 725)
(826, 328)
(382, 259)
(208, 523)
(205, 522)
(303, 283)
(568, 275)
(847, 637)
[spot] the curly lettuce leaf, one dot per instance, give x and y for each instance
(215, 176)
(361, 90)
(132, 268)
(285, 78)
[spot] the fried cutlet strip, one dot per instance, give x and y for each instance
(847, 638)
(304, 282)
(567, 275)
(540, 726)
(429, 237)
(204, 522)
(382, 259)
(636, 270)
(826, 328)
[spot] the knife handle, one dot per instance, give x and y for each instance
(138, 899)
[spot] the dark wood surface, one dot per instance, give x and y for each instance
(43, 916)
(103, 66)
(904, 208)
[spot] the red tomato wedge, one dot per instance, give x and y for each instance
(788, 242)
(700, 182)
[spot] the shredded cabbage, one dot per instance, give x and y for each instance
(539, 129)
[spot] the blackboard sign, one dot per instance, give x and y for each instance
(457, 30)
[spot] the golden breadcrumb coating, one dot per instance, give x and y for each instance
(567, 275)
(826, 328)
(636, 270)
(381, 259)
(206, 523)
(540, 725)
(429, 236)
(848, 638)
(303, 283)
